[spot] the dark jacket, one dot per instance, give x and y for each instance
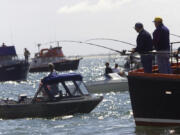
(144, 42)
(161, 38)
(108, 70)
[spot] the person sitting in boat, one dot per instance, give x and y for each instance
(117, 70)
(108, 69)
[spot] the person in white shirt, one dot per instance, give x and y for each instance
(118, 71)
(115, 69)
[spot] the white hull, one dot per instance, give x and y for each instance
(106, 86)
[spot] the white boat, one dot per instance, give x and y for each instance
(115, 83)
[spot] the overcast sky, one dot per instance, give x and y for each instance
(25, 23)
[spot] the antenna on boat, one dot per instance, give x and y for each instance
(38, 45)
(116, 40)
(58, 43)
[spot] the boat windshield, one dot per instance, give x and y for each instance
(76, 88)
(62, 89)
(73, 89)
(82, 87)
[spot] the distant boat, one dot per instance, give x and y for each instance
(72, 97)
(53, 55)
(11, 67)
(155, 97)
(114, 83)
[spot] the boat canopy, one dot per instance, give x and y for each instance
(61, 78)
(7, 51)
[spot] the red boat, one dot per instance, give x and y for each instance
(53, 55)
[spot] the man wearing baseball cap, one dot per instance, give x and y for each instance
(144, 45)
(162, 45)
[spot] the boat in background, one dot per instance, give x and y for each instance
(53, 55)
(114, 83)
(11, 67)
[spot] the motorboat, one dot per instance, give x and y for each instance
(11, 67)
(155, 96)
(72, 97)
(112, 83)
(53, 55)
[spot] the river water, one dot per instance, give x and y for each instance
(113, 116)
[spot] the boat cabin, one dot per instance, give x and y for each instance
(7, 53)
(50, 52)
(62, 86)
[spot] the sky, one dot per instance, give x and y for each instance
(25, 23)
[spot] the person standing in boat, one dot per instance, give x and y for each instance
(52, 70)
(162, 45)
(144, 45)
(4, 45)
(26, 54)
(51, 90)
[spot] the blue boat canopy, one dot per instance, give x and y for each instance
(7, 51)
(62, 77)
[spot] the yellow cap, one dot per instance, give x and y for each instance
(158, 19)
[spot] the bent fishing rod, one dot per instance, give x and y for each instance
(116, 40)
(92, 44)
(88, 43)
(175, 35)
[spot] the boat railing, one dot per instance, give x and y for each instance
(173, 55)
(8, 60)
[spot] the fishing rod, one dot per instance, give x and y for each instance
(92, 44)
(124, 42)
(88, 43)
(175, 35)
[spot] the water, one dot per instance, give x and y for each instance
(113, 116)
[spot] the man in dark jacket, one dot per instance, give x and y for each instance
(107, 69)
(162, 45)
(144, 45)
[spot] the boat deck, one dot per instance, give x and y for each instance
(174, 67)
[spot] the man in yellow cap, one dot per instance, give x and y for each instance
(162, 45)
